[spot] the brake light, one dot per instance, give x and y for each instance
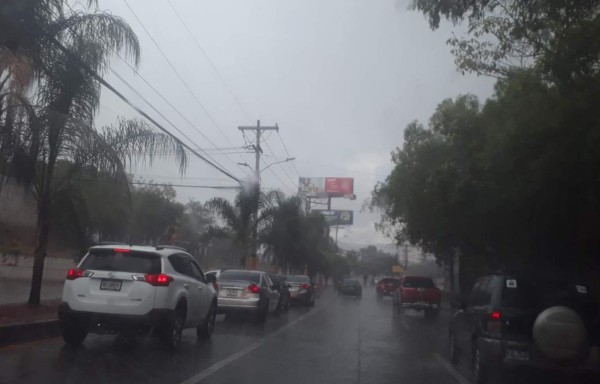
(160, 280)
(75, 273)
(305, 286)
(494, 324)
(253, 288)
(121, 250)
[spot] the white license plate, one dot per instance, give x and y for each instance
(517, 354)
(110, 285)
(231, 293)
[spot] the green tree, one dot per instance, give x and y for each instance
(239, 218)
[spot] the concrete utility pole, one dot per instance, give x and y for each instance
(257, 151)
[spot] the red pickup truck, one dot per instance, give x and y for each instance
(418, 293)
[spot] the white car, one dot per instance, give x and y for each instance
(137, 289)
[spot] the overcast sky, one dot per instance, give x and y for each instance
(341, 78)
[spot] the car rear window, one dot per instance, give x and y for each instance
(296, 279)
(350, 282)
(132, 261)
(390, 280)
(418, 282)
(530, 294)
(240, 276)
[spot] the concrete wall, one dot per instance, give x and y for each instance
(17, 205)
(19, 267)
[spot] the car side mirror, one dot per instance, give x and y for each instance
(211, 279)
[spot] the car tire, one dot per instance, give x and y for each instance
(312, 302)
(204, 331)
(73, 333)
(172, 329)
(479, 368)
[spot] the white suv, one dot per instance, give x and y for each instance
(137, 289)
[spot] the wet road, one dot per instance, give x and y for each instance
(340, 340)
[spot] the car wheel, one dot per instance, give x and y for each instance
(479, 367)
(205, 330)
(452, 351)
(73, 334)
(171, 333)
(312, 302)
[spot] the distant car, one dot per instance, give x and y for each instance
(137, 289)
(535, 324)
(284, 292)
(418, 293)
(386, 286)
(350, 287)
(301, 289)
(243, 291)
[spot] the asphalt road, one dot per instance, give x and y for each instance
(340, 340)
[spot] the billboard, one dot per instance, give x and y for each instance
(325, 186)
(336, 216)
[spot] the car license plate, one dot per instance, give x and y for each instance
(517, 354)
(110, 285)
(231, 293)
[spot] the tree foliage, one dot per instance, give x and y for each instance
(509, 184)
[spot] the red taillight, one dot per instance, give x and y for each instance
(495, 315)
(494, 324)
(305, 286)
(121, 250)
(253, 288)
(215, 286)
(160, 280)
(74, 273)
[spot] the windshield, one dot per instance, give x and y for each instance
(239, 276)
(360, 179)
(109, 260)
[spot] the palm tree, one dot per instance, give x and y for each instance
(239, 218)
(57, 123)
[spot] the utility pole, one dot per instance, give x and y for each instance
(257, 152)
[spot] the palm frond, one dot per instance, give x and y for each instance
(226, 211)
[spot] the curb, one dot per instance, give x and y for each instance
(19, 333)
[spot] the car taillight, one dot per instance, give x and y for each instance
(75, 273)
(494, 324)
(305, 286)
(215, 286)
(159, 280)
(253, 288)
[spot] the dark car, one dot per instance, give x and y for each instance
(284, 292)
(242, 291)
(301, 289)
(536, 325)
(350, 287)
(386, 286)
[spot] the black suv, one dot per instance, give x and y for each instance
(509, 323)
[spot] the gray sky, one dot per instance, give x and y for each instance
(341, 78)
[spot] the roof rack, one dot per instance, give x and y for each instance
(167, 246)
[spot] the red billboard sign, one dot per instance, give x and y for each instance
(326, 186)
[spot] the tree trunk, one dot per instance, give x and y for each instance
(42, 231)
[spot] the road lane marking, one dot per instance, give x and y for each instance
(230, 359)
(457, 375)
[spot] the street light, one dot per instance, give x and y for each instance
(278, 162)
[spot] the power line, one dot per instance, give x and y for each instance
(177, 73)
(214, 67)
(287, 153)
(99, 78)
(157, 111)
